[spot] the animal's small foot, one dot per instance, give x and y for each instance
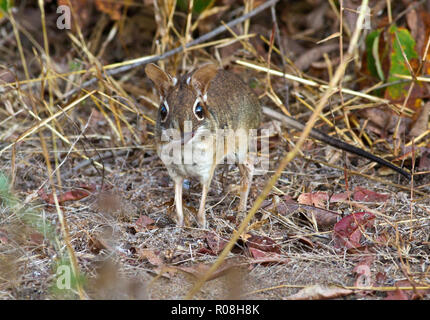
(202, 223)
(180, 223)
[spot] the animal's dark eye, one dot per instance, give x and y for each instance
(163, 112)
(198, 111)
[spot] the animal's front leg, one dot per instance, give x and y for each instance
(201, 216)
(206, 183)
(246, 171)
(178, 202)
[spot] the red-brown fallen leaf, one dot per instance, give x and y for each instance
(318, 292)
(340, 197)
(317, 199)
(255, 253)
(151, 256)
(406, 294)
(281, 205)
(362, 194)
(323, 217)
(261, 243)
(265, 258)
(72, 195)
(206, 251)
(348, 231)
(144, 222)
(215, 244)
(307, 242)
(263, 250)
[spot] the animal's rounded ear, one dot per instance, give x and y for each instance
(162, 80)
(202, 77)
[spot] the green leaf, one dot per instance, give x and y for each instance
(198, 6)
(5, 5)
(371, 41)
(397, 60)
(385, 59)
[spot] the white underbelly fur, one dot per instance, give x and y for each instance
(202, 162)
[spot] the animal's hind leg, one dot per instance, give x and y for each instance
(178, 203)
(246, 171)
(201, 216)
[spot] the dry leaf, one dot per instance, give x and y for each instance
(262, 243)
(151, 256)
(72, 195)
(317, 199)
(266, 258)
(383, 121)
(144, 223)
(324, 218)
(307, 242)
(318, 292)
(406, 294)
(340, 197)
(424, 160)
(421, 124)
(362, 194)
(215, 244)
(348, 231)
